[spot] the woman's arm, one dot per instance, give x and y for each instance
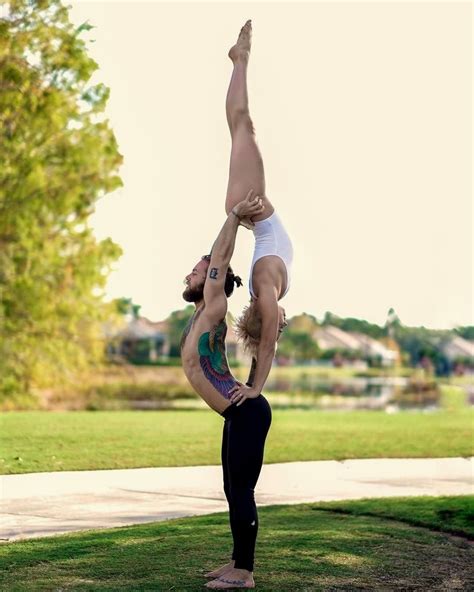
(268, 306)
(253, 367)
(223, 247)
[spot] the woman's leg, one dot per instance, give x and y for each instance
(246, 164)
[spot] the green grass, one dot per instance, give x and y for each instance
(315, 547)
(35, 441)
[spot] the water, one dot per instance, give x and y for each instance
(311, 391)
(388, 393)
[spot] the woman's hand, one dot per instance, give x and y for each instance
(240, 392)
(248, 207)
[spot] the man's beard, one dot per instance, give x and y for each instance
(194, 294)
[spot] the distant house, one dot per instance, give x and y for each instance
(457, 347)
(141, 338)
(330, 337)
(372, 347)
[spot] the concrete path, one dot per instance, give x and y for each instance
(44, 504)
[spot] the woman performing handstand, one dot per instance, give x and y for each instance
(248, 415)
(248, 418)
(262, 322)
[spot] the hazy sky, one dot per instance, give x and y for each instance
(363, 115)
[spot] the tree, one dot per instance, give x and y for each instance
(392, 324)
(177, 322)
(297, 345)
(58, 156)
(126, 307)
(354, 325)
(466, 332)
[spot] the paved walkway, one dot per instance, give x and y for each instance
(44, 504)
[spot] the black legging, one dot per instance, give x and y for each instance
(243, 441)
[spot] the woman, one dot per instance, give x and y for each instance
(263, 320)
(248, 417)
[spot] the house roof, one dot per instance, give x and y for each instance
(458, 347)
(329, 337)
(373, 346)
(143, 328)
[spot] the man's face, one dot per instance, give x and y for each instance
(282, 321)
(195, 282)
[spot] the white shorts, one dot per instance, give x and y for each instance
(271, 238)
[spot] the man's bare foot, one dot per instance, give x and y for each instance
(241, 50)
(218, 572)
(234, 578)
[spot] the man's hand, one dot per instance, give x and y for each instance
(240, 392)
(248, 207)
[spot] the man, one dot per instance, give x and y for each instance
(205, 365)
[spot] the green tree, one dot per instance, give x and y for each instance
(354, 325)
(466, 332)
(298, 345)
(126, 306)
(58, 156)
(177, 322)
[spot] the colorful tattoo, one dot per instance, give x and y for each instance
(213, 359)
(213, 273)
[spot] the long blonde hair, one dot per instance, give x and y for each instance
(249, 327)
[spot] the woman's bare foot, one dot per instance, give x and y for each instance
(242, 48)
(218, 572)
(234, 578)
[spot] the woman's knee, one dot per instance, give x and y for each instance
(240, 119)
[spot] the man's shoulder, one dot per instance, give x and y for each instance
(208, 318)
(211, 318)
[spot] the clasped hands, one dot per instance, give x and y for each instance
(240, 392)
(248, 207)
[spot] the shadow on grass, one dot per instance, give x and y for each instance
(299, 548)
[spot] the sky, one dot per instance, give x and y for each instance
(363, 114)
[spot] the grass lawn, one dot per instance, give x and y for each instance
(36, 441)
(378, 544)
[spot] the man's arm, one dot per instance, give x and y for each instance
(224, 244)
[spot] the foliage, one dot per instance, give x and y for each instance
(177, 322)
(297, 345)
(354, 325)
(423, 344)
(58, 156)
(126, 306)
(466, 332)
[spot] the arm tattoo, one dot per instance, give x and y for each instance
(253, 368)
(213, 273)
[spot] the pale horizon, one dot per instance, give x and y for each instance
(363, 112)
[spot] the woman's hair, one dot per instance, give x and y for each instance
(230, 278)
(248, 328)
